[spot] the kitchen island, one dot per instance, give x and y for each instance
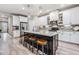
(50, 37)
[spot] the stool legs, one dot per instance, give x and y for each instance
(42, 49)
(37, 49)
(32, 47)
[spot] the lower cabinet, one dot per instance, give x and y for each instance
(64, 36)
(75, 37)
(67, 36)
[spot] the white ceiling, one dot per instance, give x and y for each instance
(32, 9)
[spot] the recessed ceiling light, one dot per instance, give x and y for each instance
(40, 11)
(23, 8)
(29, 16)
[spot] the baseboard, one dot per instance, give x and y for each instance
(69, 42)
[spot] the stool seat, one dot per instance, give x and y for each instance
(41, 42)
(26, 38)
(33, 38)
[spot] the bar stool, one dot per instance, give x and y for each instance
(29, 41)
(33, 41)
(41, 42)
(26, 41)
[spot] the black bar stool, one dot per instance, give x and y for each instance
(33, 41)
(41, 42)
(26, 40)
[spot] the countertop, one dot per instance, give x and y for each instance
(11, 46)
(67, 30)
(46, 33)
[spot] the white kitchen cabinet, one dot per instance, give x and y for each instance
(71, 16)
(74, 15)
(23, 19)
(16, 33)
(75, 37)
(71, 36)
(16, 22)
(64, 36)
(66, 17)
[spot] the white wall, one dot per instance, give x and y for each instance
(71, 16)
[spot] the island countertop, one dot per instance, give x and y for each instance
(46, 33)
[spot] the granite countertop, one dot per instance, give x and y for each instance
(11, 46)
(67, 30)
(46, 33)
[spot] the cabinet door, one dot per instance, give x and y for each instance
(66, 17)
(16, 33)
(16, 21)
(74, 15)
(60, 35)
(75, 37)
(23, 19)
(64, 36)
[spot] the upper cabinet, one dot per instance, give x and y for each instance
(75, 15)
(71, 16)
(23, 19)
(16, 21)
(66, 17)
(4, 17)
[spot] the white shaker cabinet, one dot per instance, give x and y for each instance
(16, 22)
(67, 36)
(23, 19)
(64, 36)
(66, 17)
(74, 15)
(75, 37)
(71, 16)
